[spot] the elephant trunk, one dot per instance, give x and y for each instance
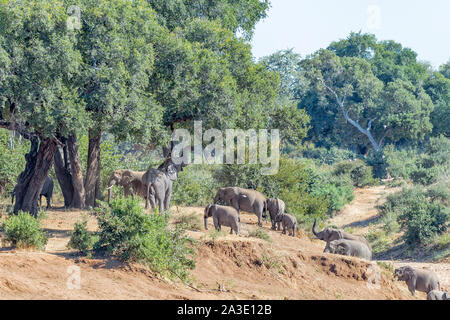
(110, 185)
(317, 234)
(264, 214)
(216, 199)
(206, 223)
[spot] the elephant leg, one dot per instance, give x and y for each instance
(167, 199)
(216, 223)
(48, 203)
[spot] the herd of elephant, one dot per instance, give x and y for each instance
(155, 186)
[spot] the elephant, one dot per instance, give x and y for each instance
(330, 234)
(275, 207)
(438, 295)
(46, 191)
(159, 185)
(243, 199)
(288, 222)
(416, 279)
(352, 248)
(222, 216)
(130, 180)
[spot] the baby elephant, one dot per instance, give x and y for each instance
(416, 279)
(351, 248)
(438, 295)
(288, 222)
(222, 216)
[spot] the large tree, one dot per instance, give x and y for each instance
(347, 103)
(38, 62)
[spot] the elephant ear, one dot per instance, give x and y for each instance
(409, 273)
(208, 207)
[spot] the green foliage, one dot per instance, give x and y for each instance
(358, 171)
(423, 221)
(424, 166)
(327, 156)
(81, 239)
(195, 186)
(127, 232)
(12, 160)
(419, 214)
(24, 231)
(235, 15)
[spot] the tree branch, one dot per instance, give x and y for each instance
(340, 103)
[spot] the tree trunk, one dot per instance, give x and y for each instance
(92, 181)
(30, 182)
(78, 200)
(62, 171)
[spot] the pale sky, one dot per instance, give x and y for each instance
(308, 25)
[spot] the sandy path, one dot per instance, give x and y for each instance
(362, 211)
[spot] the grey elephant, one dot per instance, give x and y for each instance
(159, 185)
(417, 279)
(288, 222)
(222, 216)
(130, 180)
(275, 207)
(330, 234)
(46, 191)
(243, 199)
(438, 295)
(351, 248)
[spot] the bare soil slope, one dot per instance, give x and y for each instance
(230, 267)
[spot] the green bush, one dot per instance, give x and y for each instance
(12, 158)
(24, 231)
(423, 221)
(81, 239)
(337, 189)
(127, 232)
(400, 163)
(195, 186)
(419, 215)
(359, 172)
(327, 156)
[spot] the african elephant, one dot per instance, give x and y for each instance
(330, 234)
(275, 207)
(352, 248)
(417, 279)
(130, 180)
(222, 216)
(159, 185)
(243, 199)
(438, 295)
(288, 222)
(46, 191)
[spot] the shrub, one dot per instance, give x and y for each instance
(24, 231)
(423, 221)
(327, 156)
(125, 231)
(359, 172)
(421, 216)
(400, 162)
(12, 159)
(81, 239)
(195, 186)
